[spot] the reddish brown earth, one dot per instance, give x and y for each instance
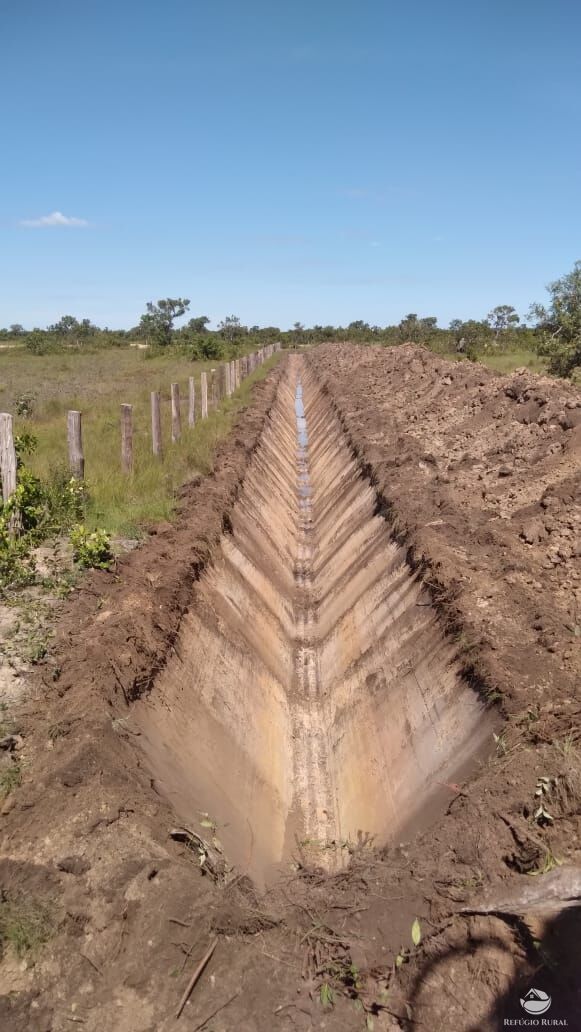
(477, 478)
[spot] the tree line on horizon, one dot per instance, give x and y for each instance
(552, 330)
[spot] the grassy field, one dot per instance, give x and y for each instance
(504, 362)
(98, 384)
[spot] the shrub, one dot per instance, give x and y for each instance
(34, 512)
(24, 404)
(91, 548)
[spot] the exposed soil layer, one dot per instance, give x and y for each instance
(481, 474)
(311, 694)
(428, 526)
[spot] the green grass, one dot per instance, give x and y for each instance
(503, 361)
(507, 362)
(25, 925)
(98, 384)
(10, 778)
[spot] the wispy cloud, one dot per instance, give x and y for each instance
(56, 218)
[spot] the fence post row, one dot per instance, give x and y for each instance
(156, 424)
(127, 438)
(191, 401)
(204, 390)
(176, 416)
(75, 444)
(7, 456)
(223, 383)
(8, 467)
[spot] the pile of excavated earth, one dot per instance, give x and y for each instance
(326, 726)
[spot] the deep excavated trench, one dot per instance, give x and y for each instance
(312, 696)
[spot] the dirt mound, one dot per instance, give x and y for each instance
(481, 475)
(422, 544)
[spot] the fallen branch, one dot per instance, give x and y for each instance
(195, 977)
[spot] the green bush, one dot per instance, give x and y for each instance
(35, 511)
(91, 549)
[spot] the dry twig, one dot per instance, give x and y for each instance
(195, 977)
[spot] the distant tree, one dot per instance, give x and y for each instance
(16, 330)
(429, 323)
(157, 323)
(66, 326)
(501, 319)
(414, 329)
(358, 328)
(87, 329)
(474, 335)
(198, 324)
(231, 328)
(559, 324)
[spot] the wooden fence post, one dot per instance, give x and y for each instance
(7, 456)
(192, 402)
(213, 395)
(224, 380)
(232, 377)
(176, 416)
(204, 387)
(127, 438)
(156, 424)
(237, 368)
(75, 443)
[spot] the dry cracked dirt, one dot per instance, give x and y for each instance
(329, 719)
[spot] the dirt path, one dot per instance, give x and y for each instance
(358, 630)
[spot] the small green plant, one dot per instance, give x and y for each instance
(5, 722)
(25, 925)
(24, 404)
(543, 789)
(500, 743)
(10, 778)
(548, 864)
(91, 549)
(327, 995)
(34, 511)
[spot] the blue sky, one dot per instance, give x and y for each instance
(315, 161)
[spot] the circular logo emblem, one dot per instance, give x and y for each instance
(536, 1001)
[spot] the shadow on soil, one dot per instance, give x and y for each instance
(551, 964)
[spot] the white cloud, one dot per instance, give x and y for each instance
(56, 218)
